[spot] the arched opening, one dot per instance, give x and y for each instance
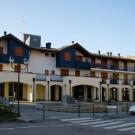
(56, 93)
(113, 94)
(40, 92)
(1, 89)
(10, 90)
(125, 94)
(85, 93)
(103, 94)
(133, 94)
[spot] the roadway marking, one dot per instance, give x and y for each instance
(108, 124)
(97, 122)
(81, 121)
(72, 119)
(126, 129)
(119, 126)
(28, 127)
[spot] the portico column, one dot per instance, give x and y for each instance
(131, 94)
(119, 94)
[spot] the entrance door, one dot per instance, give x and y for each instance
(1, 89)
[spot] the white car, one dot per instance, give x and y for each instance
(132, 109)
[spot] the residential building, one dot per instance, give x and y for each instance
(70, 70)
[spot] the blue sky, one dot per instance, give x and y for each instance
(105, 25)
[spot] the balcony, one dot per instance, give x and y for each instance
(4, 58)
(40, 77)
(56, 78)
(82, 65)
(112, 67)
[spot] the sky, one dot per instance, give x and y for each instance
(105, 25)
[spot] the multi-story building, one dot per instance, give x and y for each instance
(70, 70)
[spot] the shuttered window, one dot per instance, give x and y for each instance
(67, 56)
(64, 72)
(19, 51)
(1, 50)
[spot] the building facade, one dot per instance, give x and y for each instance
(70, 70)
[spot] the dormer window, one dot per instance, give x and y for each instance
(19, 51)
(1, 50)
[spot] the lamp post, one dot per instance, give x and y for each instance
(70, 87)
(25, 62)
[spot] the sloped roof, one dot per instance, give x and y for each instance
(10, 36)
(77, 46)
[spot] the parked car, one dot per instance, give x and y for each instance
(132, 109)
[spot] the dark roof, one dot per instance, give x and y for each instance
(44, 49)
(77, 46)
(112, 57)
(10, 36)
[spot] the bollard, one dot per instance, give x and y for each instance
(106, 110)
(117, 111)
(93, 110)
(127, 108)
(43, 112)
(79, 110)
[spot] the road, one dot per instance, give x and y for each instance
(72, 126)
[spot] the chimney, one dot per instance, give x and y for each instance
(5, 33)
(73, 42)
(108, 53)
(119, 55)
(99, 52)
(48, 45)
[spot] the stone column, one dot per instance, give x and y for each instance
(131, 94)
(119, 94)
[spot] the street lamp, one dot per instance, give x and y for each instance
(25, 62)
(70, 87)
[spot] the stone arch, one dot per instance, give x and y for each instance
(56, 92)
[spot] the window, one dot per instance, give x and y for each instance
(1, 67)
(1, 50)
(46, 72)
(77, 72)
(93, 74)
(52, 72)
(19, 51)
(52, 54)
(17, 68)
(67, 56)
(64, 72)
(79, 58)
(46, 54)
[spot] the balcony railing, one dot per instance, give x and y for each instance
(57, 78)
(112, 67)
(119, 81)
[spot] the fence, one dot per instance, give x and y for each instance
(54, 110)
(4, 100)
